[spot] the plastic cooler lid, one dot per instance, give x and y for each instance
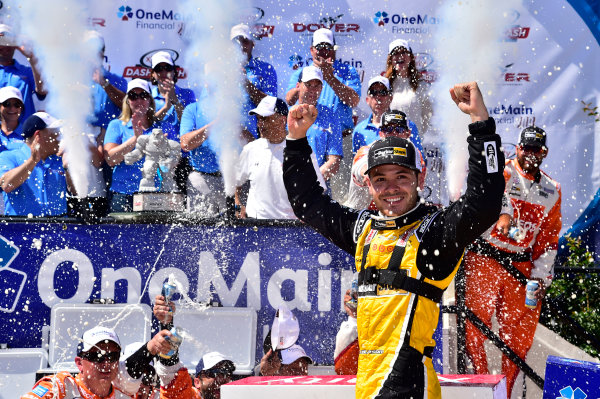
(230, 331)
(18, 368)
(131, 322)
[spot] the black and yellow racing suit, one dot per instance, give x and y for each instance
(404, 263)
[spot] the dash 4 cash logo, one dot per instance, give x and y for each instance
(143, 70)
(516, 31)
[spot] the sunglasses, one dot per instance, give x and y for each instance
(99, 357)
(532, 149)
(164, 68)
(374, 93)
(134, 96)
(393, 129)
(213, 373)
(14, 104)
(323, 46)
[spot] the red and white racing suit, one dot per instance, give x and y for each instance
(534, 204)
(64, 386)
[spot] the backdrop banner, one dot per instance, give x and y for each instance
(44, 264)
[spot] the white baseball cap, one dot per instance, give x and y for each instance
(9, 92)
(240, 30)
(294, 353)
(323, 35)
(285, 329)
(97, 335)
(270, 105)
(7, 38)
(139, 84)
(399, 43)
(311, 72)
(379, 79)
(160, 57)
(210, 360)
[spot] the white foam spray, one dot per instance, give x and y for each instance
(212, 57)
(56, 30)
(468, 47)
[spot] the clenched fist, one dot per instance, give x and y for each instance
(470, 101)
(300, 118)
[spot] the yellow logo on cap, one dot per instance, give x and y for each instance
(400, 151)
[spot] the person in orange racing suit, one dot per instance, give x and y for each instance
(212, 371)
(98, 363)
(498, 264)
(407, 253)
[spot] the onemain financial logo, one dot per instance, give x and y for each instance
(151, 19)
(406, 24)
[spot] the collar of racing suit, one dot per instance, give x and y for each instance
(380, 222)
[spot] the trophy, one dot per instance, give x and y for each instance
(161, 156)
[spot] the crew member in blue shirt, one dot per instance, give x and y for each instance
(205, 188)
(169, 98)
(137, 118)
(341, 86)
(27, 79)
(259, 79)
(379, 98)
(32, 176)
(11, 111)
(325, 135)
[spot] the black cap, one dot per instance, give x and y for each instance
(395, 118)
(393, 150)
(533, 136)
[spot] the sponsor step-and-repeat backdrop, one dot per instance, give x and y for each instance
(547, 75)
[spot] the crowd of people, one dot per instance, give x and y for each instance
(125, 110)
(407, 251)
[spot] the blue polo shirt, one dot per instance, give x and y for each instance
(126, 178)
(170, 121)
(44, 193)
(262, 75)
(15, 137)
(204, 158)
(104, 109)
(346, 74)
(21, 77)
(366, 133)
(325, 135)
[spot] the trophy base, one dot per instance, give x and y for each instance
(158, 201)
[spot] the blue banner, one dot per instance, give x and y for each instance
(43, 264)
